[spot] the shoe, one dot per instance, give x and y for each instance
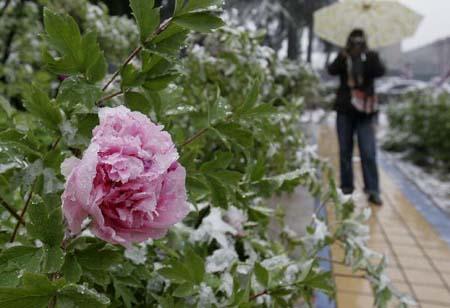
(347, 191)
(375, 199)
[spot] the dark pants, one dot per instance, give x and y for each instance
(363, 126)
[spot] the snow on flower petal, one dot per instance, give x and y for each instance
(128, 182)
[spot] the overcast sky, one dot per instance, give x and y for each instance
(435, 25)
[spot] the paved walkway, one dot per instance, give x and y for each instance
(419, 260)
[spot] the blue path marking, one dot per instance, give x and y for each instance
(435, 216)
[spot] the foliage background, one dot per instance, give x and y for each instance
(233, 109)
(419, 126)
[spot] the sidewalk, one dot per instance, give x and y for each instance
(419, 260)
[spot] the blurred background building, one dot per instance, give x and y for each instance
(429, 61)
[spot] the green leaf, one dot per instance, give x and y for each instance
(218, 108)
(17, 259)
(38, 103)
(184, 290)
(176, 272)
(222, 137)
(160, 82)
(195, 5)
(86, 123)
(154, 64)
(80, 296)
(251, 98)
(179, 4)
(201, 21)
(6, 106)
(321, 281)
(53, 259)
(260, 110)
(71, 269)
(305, 270)
(62, 65)
(237, 133)
(98, 257)
(76, 91)
(94, 65)
(46, 222)
(221, 161)
(64, 35)
(35, 293)
(147, 17)
(169, 42)
(98, 277)
(195, 265)
(262, 275)
(137, 102)
(218, 192)
(258, 170)
(227, 177)
(131, 77)
(11, 140)
(123, 291)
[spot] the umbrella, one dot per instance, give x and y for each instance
(385, 22)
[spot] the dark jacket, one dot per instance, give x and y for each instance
(372, 68)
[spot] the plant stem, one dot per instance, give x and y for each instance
(11, 210)
(331, 260)
(163, 26)
(99, 103)
(350, 276)
(116, 73)
(253, 297)
(30, 195)
(52, 303)
(22, 214)
(5, 6)
(194, 137)
(55, 143)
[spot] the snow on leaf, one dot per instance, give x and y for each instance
(276, 262)
(137, 254)
(221, 260)
(213, 227)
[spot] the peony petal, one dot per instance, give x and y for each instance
(172, 205)
(68, 165)
(75, 199)
(129, 181)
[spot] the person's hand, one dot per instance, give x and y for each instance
(343, 53)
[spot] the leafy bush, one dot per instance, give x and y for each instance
(420, 127)
(236, 129)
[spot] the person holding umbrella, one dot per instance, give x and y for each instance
(370, 23)
(356, 105)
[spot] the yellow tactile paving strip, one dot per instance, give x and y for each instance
(419, 261)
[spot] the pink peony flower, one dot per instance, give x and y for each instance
(129, 181)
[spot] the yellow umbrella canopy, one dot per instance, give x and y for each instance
(385, 22)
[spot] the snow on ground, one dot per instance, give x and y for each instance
(437, 189)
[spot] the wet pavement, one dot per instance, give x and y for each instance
(410, 232)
